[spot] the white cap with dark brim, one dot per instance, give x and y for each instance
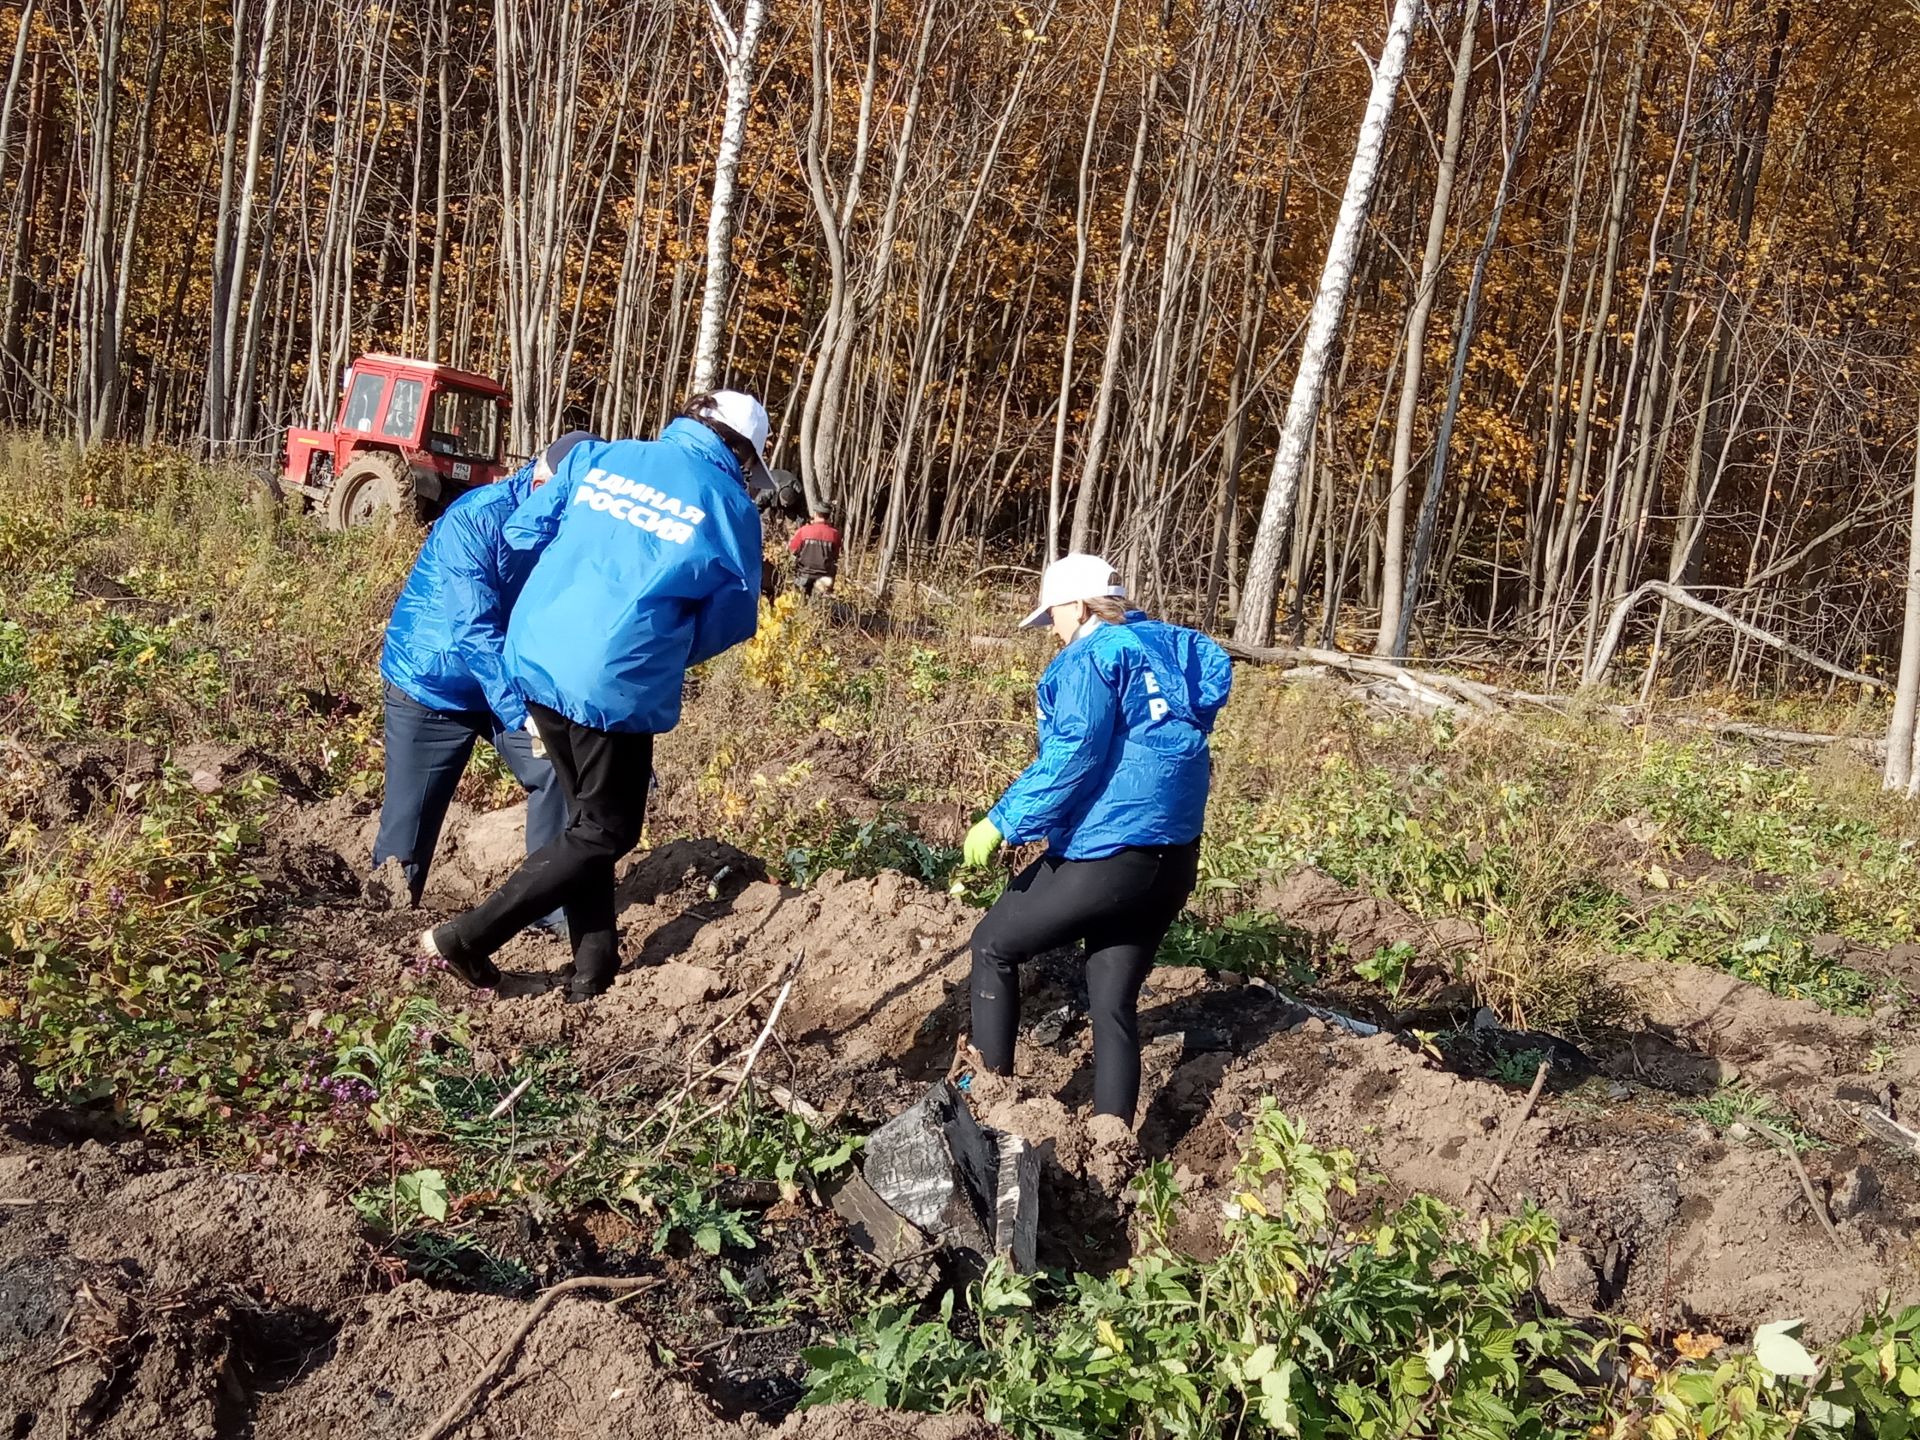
(747, 418)
(1071, 578)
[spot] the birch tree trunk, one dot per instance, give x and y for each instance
(1255, 625)
(737, 49)
(1906, 690)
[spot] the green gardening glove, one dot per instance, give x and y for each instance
(982, 840)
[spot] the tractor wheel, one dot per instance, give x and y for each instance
(372, 485)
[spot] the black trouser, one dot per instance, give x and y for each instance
(1120, 907)
(605, 777)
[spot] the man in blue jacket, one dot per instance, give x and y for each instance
(648, 563)
(445, 677)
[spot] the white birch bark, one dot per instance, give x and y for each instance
(737, 49)
(1255, 625)
(1906, 690)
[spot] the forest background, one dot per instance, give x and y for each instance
(1014, 277)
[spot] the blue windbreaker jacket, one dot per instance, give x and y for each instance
(449, 627)
(1125, 711)
(649, 562)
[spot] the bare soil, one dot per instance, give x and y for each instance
(139, 1298)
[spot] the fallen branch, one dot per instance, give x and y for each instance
(513, 1097)
(1800, 1173)
(780, 1095)
(790, 974)
(1674, 595)
(1513, 1133)
(779, 1004)
(1884, 1127)
(475, 1393)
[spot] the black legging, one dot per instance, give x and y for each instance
(1120, 907)
(606, 776)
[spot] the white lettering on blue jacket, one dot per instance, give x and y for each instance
(649, 564)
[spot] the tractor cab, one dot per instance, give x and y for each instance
(410, 437)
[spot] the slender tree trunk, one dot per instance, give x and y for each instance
(1255, 623)
(1393, 551)
(1081, 223)
(1463, 343)
(1906, 691)
(739, 49)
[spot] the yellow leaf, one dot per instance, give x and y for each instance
(1657, 878)
(1696, 1347)
(1109, 1337)
(1250, 1202)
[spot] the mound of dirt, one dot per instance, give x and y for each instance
(1812, 1063)
(880, 990)
(1660, 1217)
(1362, 925)
(132, 1304)
(198, 1303)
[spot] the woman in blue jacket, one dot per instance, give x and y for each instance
(1119, 793)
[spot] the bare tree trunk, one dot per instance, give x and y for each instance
(1394, 551)
(1906, 690)
(236, 268)
(738, 49)
(1463, 344)
(1255, 623)
(213, 403)
(1084, 179)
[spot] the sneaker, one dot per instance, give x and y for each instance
(480, 973)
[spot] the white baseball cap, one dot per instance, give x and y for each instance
(1071, 578)
(747, 418)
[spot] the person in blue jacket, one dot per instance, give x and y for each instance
(444, 674)
(647, 562)
(1119, 793)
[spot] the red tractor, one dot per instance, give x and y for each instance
(411, 437)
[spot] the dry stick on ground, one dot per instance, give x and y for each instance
(780, 1096)
(496, 1367)
(760, 1041)
(513, 1097)
(713, 1071)
(1785, 1146)
(732, 1015)
(1485, 1182)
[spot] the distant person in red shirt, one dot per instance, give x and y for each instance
(815, 548)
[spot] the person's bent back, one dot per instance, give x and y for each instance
(649, 563)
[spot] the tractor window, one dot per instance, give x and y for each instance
(363, 403)
(464, 426)
(403, 409)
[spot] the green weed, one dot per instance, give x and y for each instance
(1305, 1326)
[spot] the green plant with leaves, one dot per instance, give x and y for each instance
(1307, 1324)
(1247, 942)
(1517, 1067)
(1732, 1105)
(1387, 967)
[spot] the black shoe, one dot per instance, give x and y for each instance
(479, 972)
(582, 988)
